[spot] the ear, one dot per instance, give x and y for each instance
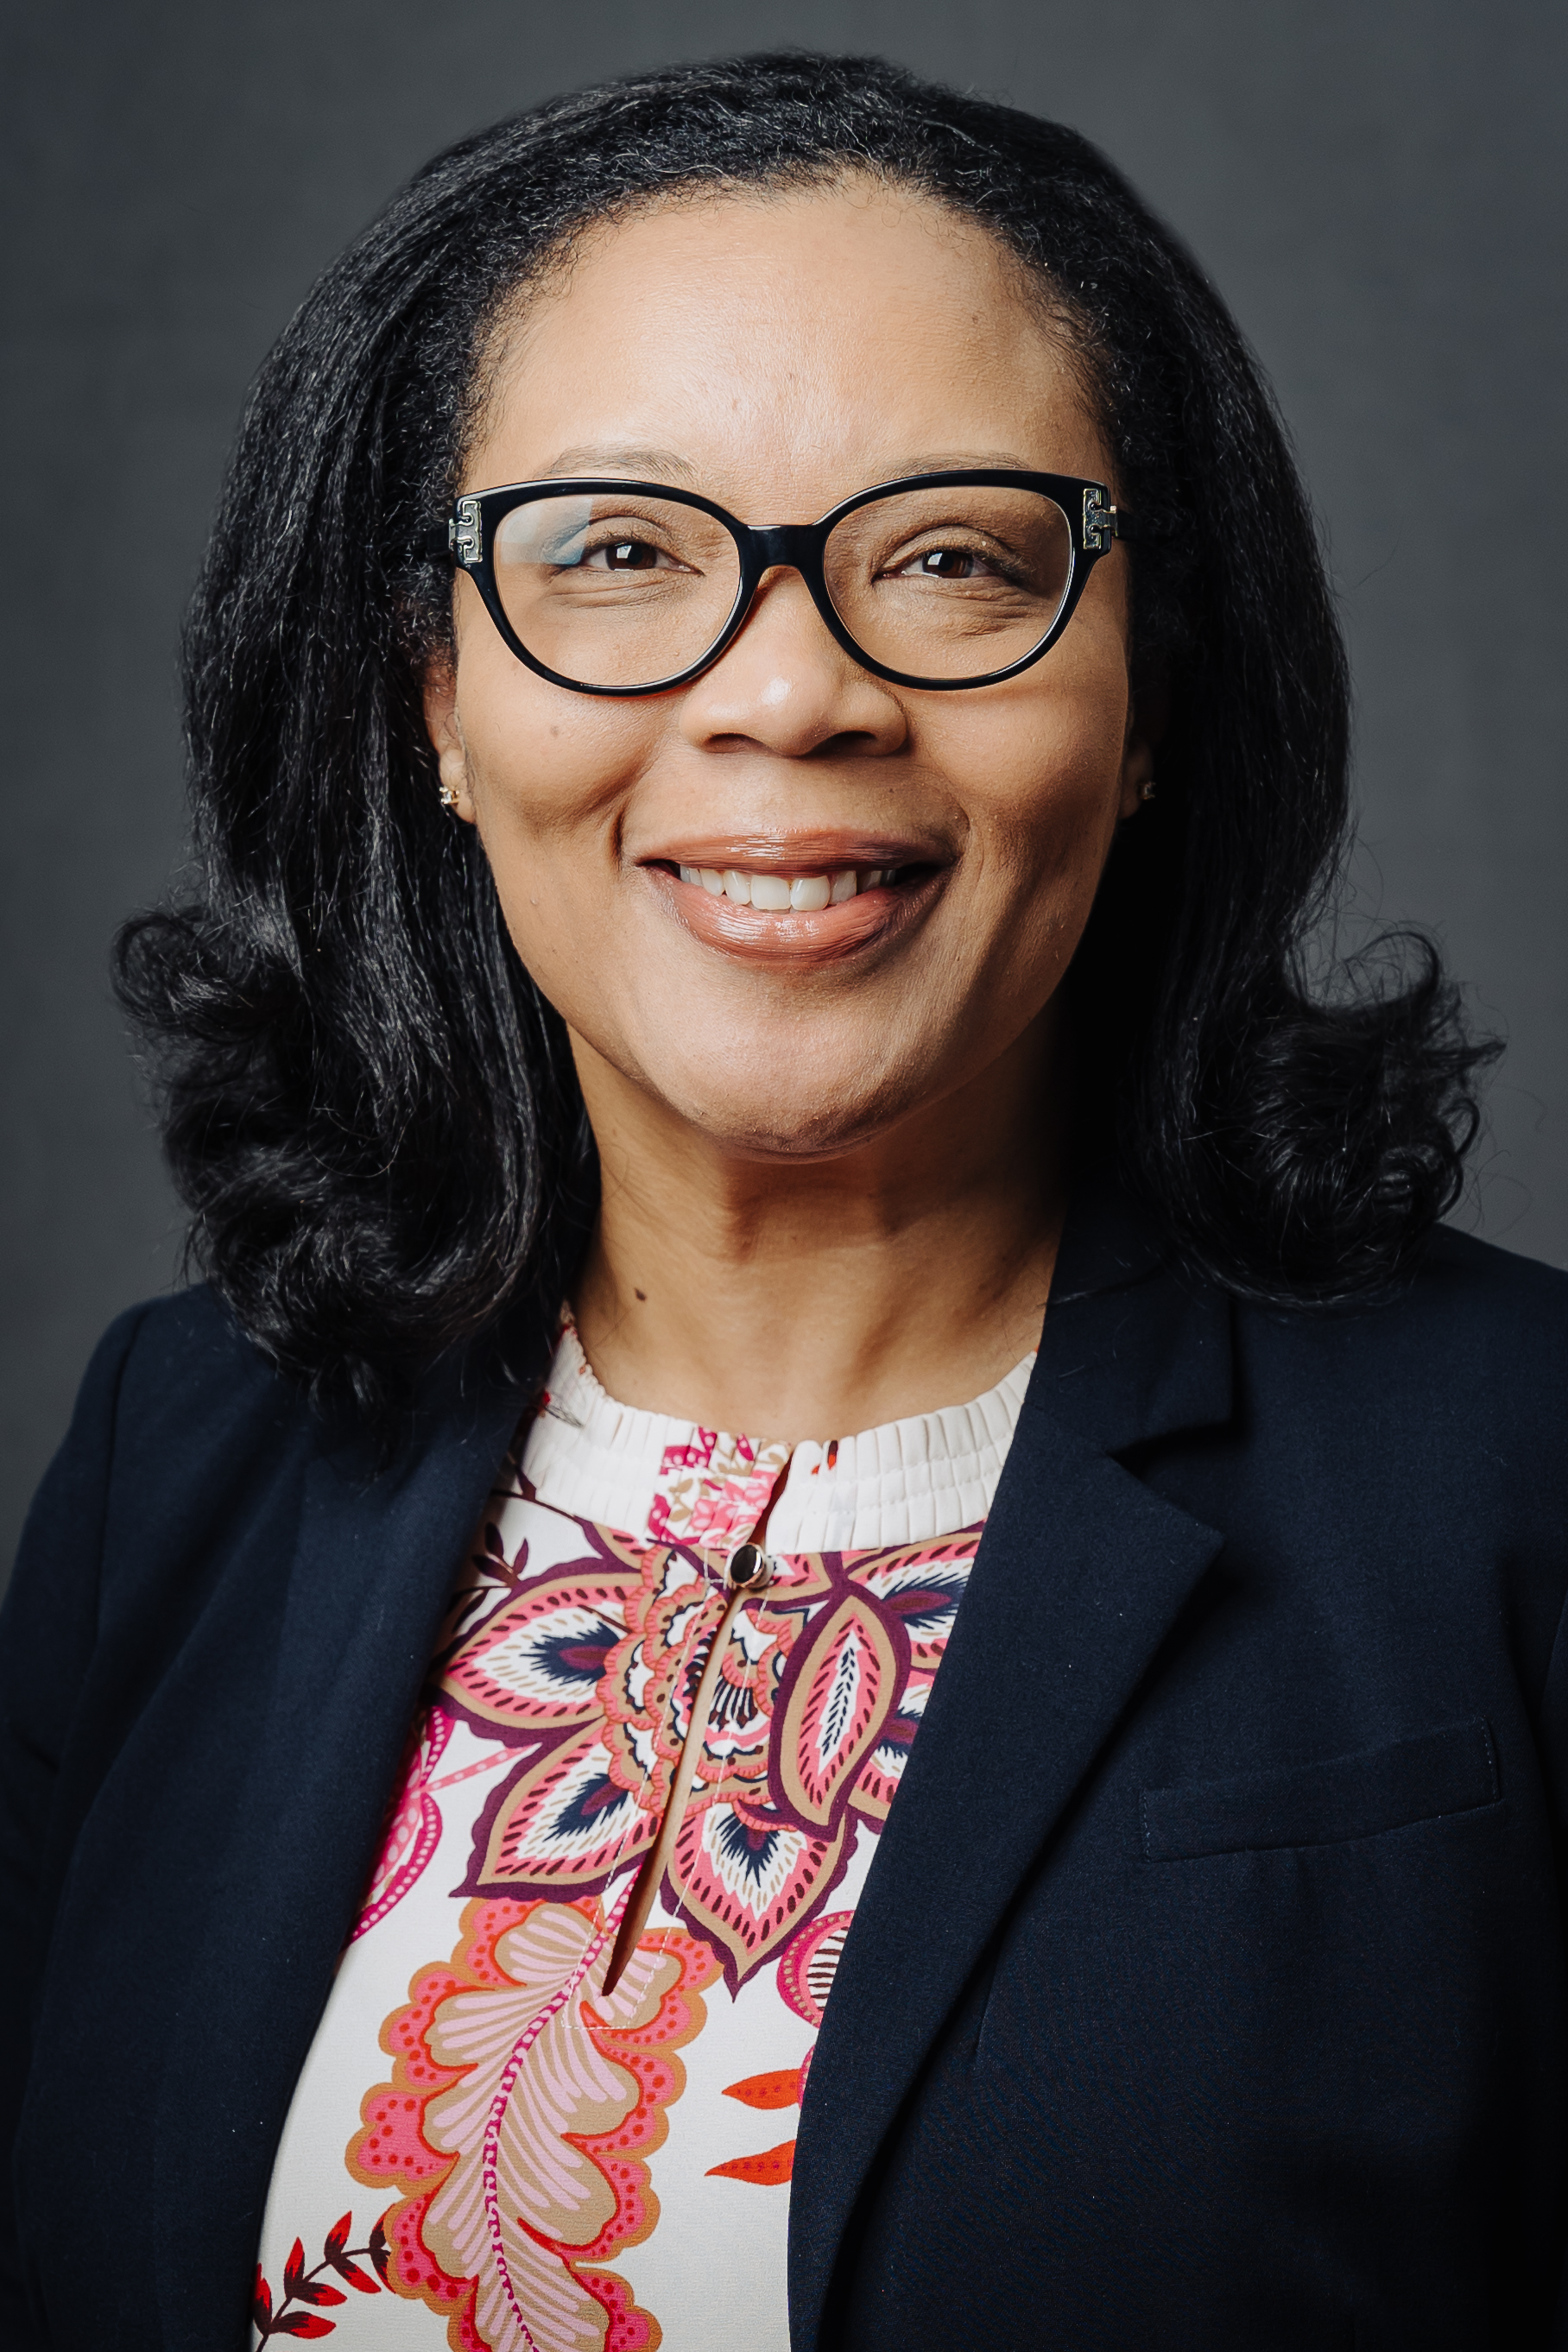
(1148, 714)
(445, 730)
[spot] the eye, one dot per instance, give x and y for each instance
(945, 564)
(627, 555)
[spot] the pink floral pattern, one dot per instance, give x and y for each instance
(516, 2120)
(589, 1670)
(414, 1825)
(713, 1490)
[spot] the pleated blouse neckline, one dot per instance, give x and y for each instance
(930, 1475)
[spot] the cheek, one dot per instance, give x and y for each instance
(544, 774)
(550, 777)
(549, 798)
(1048, 783)
(544, 766)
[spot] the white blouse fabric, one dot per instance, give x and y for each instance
(484, 2147)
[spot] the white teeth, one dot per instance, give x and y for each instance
(778, 894)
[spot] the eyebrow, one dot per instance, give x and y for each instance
(666, 465)
(957, 461)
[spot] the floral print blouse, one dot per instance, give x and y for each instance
(485, 2146)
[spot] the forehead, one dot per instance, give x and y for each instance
(792, 347)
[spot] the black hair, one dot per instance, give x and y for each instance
(370, 1110)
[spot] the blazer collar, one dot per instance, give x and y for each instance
(1080, 1575)
(359, 1604)
(1128, 1351)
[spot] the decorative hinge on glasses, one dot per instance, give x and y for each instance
(1099, 522)
(464, 532)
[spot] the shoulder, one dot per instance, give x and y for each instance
(174, 1401)
(181, 1362)
(1469, 1306)
(207, 1436)
(1463, 1372)
(1482, 1289)
(171, 1380)
(178, 1415)
(166, 1375)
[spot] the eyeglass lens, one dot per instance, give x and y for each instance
(616, 589)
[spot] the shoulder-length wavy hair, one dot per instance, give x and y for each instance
(369, 1110)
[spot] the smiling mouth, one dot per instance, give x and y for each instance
(783, 893)
(811, 907)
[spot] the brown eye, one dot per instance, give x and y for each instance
(947, 564)
(631, 556)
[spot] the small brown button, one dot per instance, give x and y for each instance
(748, 1569)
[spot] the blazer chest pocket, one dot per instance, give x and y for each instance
(1449, 1771)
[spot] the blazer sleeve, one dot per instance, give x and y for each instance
(48, 1630)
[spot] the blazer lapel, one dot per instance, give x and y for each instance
(370, 1577)
(1079, 1576)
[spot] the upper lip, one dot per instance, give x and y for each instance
(796, 853)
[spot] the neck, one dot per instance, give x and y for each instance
(812, 1300)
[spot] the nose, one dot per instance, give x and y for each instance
(788, 687)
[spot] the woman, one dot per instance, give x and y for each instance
(768, 734)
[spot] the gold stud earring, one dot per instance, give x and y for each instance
(448, 796)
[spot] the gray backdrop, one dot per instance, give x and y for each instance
(1379, 190)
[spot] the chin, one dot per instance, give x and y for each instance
(757, 1124)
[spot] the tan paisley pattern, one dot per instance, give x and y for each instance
(535, 2102)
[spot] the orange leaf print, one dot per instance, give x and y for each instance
(780, 2090)
(775, 2165)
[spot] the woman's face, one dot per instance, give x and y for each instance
(779, 355)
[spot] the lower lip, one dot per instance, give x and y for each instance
(755, 936)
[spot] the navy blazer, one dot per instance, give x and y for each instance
(1207, 1990)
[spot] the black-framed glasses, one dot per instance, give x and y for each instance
(941, 580)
